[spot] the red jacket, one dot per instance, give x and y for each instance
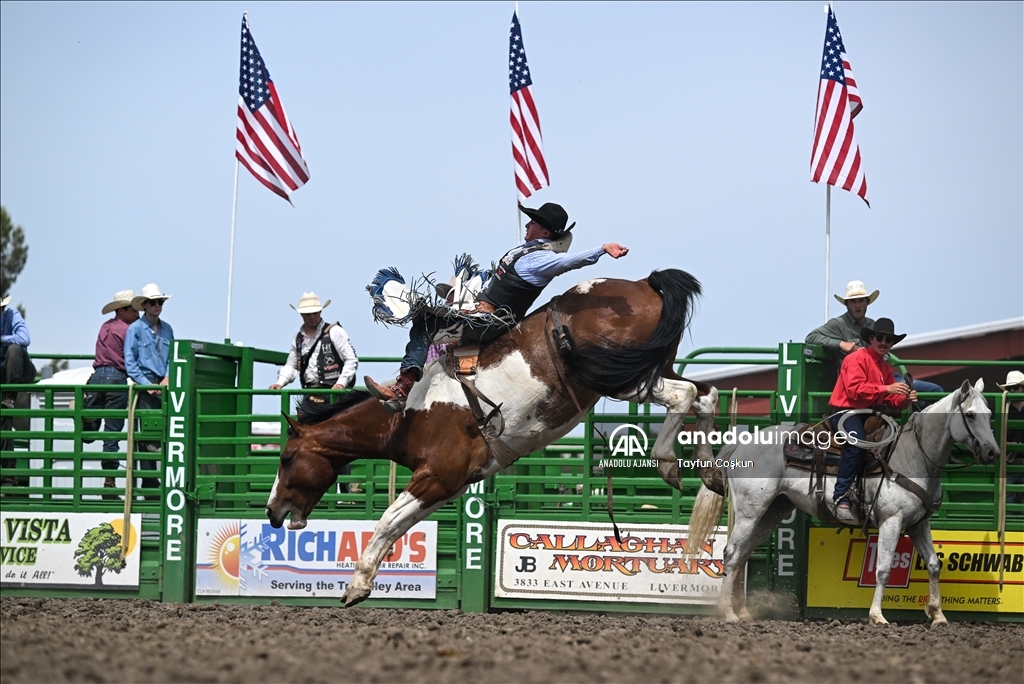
(862, 382)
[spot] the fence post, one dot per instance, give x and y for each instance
(178, 520)
(475, 548)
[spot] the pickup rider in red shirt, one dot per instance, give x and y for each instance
(865, 381)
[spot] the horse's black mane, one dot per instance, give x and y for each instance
(309, 412)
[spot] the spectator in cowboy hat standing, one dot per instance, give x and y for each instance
(521, 276)
(865, 381)
(321, 355)
(109, 369)
(147, 348)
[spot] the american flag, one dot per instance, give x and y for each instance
(836, 155)
(531, 170)
(266, 142)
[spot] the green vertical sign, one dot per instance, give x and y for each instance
(476, 530)
(788, 551)
(178, 515)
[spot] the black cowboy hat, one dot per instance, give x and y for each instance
(551, 217)
(883, 326)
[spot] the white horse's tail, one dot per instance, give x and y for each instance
(707, 509)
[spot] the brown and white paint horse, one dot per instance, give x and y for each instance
(625, 335)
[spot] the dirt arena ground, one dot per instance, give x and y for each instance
(49, 640)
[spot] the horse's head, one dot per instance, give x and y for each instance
(303, 476)
(970, 422)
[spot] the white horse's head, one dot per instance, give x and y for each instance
(970, 421)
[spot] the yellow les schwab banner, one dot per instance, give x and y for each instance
(841, 571)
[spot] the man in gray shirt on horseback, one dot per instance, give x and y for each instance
(521, 276)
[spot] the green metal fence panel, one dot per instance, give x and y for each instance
(52, 467)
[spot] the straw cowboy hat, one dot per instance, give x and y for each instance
(310, 303)
(5, 301)
(883, 326)
(1013, 378)
(121, 299)
(151, 291)
(551, 217)
(855, 289)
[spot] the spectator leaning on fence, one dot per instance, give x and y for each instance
(15, 366)
(147, 348)
(109, 369)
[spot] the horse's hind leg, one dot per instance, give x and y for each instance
(745, 538)
(888, 535)
(921, 535)
(405, 512)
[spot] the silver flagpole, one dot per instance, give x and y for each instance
(828, 206)
(231, 254)
(519, 214)
(828, 236)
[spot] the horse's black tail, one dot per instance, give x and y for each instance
(613, 368)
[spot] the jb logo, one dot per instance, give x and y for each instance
(629, 441)
(527, 564)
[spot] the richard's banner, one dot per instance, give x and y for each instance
(583, 562)
(841, 572)
(68, 550)
(251, 558)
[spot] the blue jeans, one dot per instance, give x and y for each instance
(108, 375)
(149, 401)
(852, 458)
(426, 326)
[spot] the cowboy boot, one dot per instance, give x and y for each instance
(109, 483)
(393, 397)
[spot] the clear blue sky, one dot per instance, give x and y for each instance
(680, 130)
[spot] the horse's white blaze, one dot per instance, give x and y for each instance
(585, 286)
(273, 492)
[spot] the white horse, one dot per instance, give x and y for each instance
(765, 493)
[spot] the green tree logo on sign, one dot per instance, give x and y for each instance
(100, 550)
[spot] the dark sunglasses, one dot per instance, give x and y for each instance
(153, 302)
(887, 339)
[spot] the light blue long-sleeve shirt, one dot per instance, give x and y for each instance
(541, 267)
(147, 353)
(13, 329)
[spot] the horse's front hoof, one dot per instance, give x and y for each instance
(352, 596)
(877, 620)
(939, 620)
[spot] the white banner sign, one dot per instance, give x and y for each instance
(251, 558)
(68, 550)
(583, 562)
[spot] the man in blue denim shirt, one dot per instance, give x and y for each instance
(15, 366)
(147, 347)
(108, 369)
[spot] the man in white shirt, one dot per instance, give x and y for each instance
(321, 355)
